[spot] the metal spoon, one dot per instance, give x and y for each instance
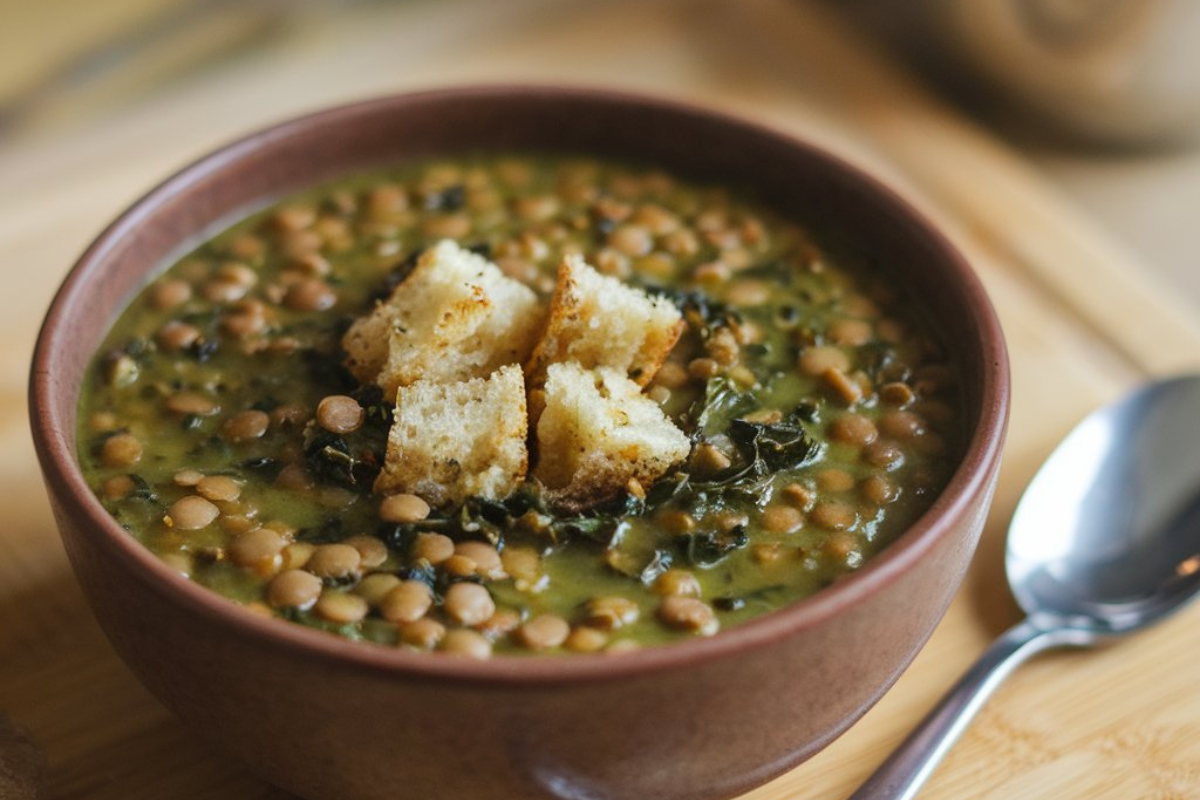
(1105, 541)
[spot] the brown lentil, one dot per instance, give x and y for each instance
(259, 549)
(819, 360)
(310, 294)
(671, 375)
(167, 294)
(372, 551)
(423, 633)
(121, 450)
(688, 613)
(192, 513)
(677, 522)
(340, 414)
(468, 603)
(187, 477)
(878, 489)
(334, 561)
(294, 589)
(847, 389)
(833, 516)
(833, 479)
(191, 403)
(403, 509)
(703, 368)
(460, 566)
(503, 622)
(219, 488)
(544, 632)
(176, 336)
(407, 602)
(896, 394)
(118, 487)
(340, 607)
(584, 639)
(245, 426)
(485, 557)
(466, 644)
(707, 459)
(767, 552)
(677, 582)
(433, 547)
(782, 519)
(374, 587)
(850, 332)
(901, 424)
(611, 612)
(853, 429)
(884, 454)
(523, 564)
(799, 495)
(296, 555)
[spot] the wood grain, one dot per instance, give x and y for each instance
(1083, 321)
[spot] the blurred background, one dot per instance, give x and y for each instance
(1100, 97)
(1055, 141)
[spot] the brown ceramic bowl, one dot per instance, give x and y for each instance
(329, 718)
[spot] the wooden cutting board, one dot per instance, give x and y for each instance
(1084, 323)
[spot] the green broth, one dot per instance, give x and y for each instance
(217, 367)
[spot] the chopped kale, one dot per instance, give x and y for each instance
(452, 198)
(263, 465)
(660, 563)
(708, 547)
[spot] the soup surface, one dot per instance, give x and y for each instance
(222, 428)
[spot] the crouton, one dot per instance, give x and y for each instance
(454, 440)
(598, 321)
(456, 316)
(597, 431)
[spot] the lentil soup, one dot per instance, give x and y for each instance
(221, 426)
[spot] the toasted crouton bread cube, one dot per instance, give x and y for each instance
(598, 321)
(456, 316)
(451, 441)
(596, 432)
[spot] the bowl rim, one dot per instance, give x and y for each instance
(53, 436)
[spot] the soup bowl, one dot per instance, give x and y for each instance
(325, 717)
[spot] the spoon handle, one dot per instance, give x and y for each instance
(911, 764)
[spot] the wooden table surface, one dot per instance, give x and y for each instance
(1084, 320)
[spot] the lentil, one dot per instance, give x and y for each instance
(407, 602)
(245, 425)
(433, 547)
(192, 513)
(218, 488)
(546, 631)
(334, 561)
(374, 587)
(294, 589)
(340, 607)
(468, 603)
(583, 639)
(403, 509)
(466, 644)
(782, 519)
(259, 549)
(688, 613)
(423, 633)
(121, 450)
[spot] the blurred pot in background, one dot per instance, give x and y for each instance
(1116, 72)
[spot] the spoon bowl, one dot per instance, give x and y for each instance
(1105, 541)
(1107, 534)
